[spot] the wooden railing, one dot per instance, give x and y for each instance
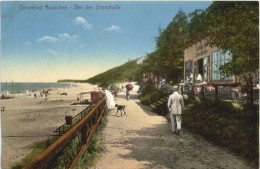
(84, 128)
(63, 128)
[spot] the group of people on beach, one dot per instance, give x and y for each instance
(42, 93)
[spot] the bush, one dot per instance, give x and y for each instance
(149, 94)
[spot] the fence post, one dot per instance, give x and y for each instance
(84, 133)
(192, 93)
(240, 94)
(202, 93)
(216, 93)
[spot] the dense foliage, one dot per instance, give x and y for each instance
(149, 94)
(198, 23)
(234, 27)
(222, 123)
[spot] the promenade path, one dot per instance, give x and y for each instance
(143, 140)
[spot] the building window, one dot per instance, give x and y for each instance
(219, 58)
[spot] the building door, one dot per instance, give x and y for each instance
(188, 71)
(195, 70)
(198, 69)
(205, 68)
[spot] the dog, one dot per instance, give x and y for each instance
(121, 108)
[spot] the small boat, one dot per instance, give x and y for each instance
(6, 97)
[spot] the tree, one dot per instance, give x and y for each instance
(169, 53)
(234, 27)
(198, 23)
(150, 64)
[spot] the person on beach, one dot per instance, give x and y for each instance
(176, 106)
(35, 95)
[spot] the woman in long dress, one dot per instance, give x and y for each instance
(109, 100)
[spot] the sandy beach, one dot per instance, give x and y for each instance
(27, 120)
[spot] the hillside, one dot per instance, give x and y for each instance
(130, 71)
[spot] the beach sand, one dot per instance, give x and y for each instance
(27, 120)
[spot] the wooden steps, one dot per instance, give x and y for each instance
(159, 102)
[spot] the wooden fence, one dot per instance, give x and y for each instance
(84, 128)
(228, 93)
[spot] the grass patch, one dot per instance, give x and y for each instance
(226, 124)
(88, 158)
(91, 155)
(36, 149)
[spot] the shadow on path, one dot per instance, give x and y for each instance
(162, 149)
(146, 109)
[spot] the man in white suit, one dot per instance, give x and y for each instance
(176, 106)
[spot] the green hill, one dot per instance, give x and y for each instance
(130, 71)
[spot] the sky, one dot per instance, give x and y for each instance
(48, 41)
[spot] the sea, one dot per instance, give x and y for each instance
(23, 87)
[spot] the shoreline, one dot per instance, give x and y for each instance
(30, 91)
(26, 90)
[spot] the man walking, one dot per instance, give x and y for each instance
(127, 94)
(176, 106)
